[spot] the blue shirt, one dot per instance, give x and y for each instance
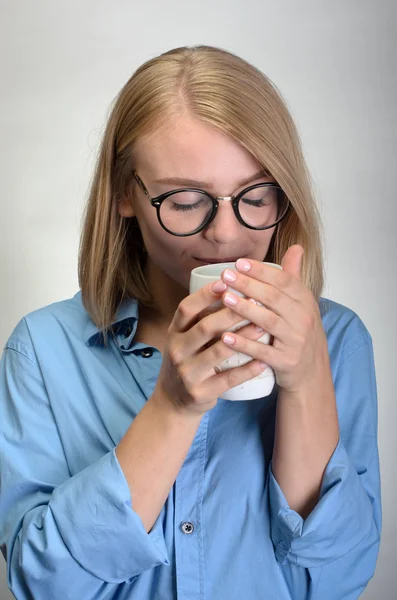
(226, 532)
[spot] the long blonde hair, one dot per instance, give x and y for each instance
(219, 88)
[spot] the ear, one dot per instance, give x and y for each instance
(125, 206)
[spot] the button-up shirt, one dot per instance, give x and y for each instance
(226, 532)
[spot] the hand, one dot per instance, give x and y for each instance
(299, 353)
(187, 379)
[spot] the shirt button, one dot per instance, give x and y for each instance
(187, 527)
(147, 352)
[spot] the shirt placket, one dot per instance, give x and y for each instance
(188, 525)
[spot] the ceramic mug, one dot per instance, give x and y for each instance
(261, 385)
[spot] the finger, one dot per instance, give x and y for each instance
(189, 308)
(250, 331)
(192, 341)
(218, 384)
(270, 296)
(201, 364)
(209, 310)
(211, 327)
(278, 278)
(265, 318)
(259, 351)
(216, 307)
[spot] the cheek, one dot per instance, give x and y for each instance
(260, 242)
(171, 259)
(161, 244)
(153, 234)
(168, 252)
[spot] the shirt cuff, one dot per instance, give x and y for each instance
(340, 520)
(94, 515)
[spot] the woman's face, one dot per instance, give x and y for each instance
(192, 150)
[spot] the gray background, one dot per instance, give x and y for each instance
(335, 62)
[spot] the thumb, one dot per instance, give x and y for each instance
(292, 260)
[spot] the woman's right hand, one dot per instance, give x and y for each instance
(187, 378)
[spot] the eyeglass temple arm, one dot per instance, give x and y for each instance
(140, 183)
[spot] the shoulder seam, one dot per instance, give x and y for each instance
(366, 343)
(21, 353)
(18, 345)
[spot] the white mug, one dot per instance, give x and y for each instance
(261, 385)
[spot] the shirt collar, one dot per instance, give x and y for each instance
(126, 313)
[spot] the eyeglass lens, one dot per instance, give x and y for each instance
(184, 212)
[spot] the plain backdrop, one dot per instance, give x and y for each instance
(62, 63)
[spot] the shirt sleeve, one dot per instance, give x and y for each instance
(338, 543)
(62, 536)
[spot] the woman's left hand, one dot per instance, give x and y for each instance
(299, 353)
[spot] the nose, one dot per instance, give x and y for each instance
(225, 226)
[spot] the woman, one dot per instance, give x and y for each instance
(123, 475)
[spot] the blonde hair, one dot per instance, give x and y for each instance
(219, 88)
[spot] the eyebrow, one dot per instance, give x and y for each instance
(184, 181)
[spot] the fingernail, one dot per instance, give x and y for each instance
(243, 264)
(259, 329)
(219, 286)
(230, 299)
(253, 301)
(229, 275)
(229, 339)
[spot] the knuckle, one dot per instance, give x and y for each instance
(301, 340)
(185, 376)
(292, 361)
(308, 320)
(218, 350)
(232, 378)
(204, 327)
(271, 320)
(253, 366)
(274, 295)
(191, 387)
(175, 354)
(189, 382)
(242, 342)
(282, 280)
(185, 308)
(232, 318)
(244, 282)
(195, 395)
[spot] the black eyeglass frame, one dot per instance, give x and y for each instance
(158, 200)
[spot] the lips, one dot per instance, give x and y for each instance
(212, 261)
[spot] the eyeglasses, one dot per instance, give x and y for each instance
(187, 211)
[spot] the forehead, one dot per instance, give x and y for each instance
(186, 147)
